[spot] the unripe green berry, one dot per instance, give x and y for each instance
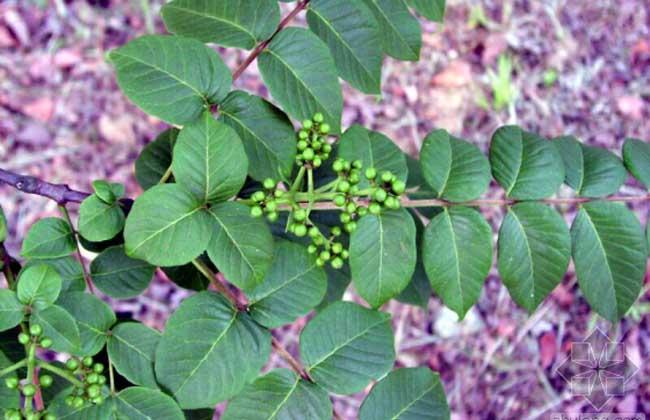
(299, 215)
(317, 145)
(346, 165)
(258, 196)
(362, 211)
(29, 390)
(339, 200)
(327, 148)
(31, 416)
(49, 416)
(98, 368)
(354, 178)
(46, 343)
(318, 117)
(45, 380)
(325, 256)
(314, 232)
(380, 195)
(92, 378)
(12, 382)
(272, 216)
(87, 361)
(101, 380)
(337, 263)
(354, 189)
(371, 173)
(72, 364)
(350, 227)
(337, 166)
(35, 330)
(271, 206)
(357, 164)
(94, 391)
(300, 230)
(317, 162)
(312, 249)
(320, 262)
(13, 415)
(399, 187)
(78, 402)
(345, 254)
(343, 186)
(351, 208)
(256, 211)
(374, 208)
(278, 193)
(269, 183)
(386, 176)
(336, 231)
(301, 145)
(337, 247)
(345, 218)
(23, 338)
(69, 400)
(324, 128)
(392, 203)
(318, 240)
(307, 124)
(308, 154)
(98, 400)
(303, 135)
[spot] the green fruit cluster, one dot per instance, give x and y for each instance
(313, 146)
(349, 176)
(385, 191)
(90, 374)
(329, 249)
(266, 200)
(298, 223)
(15, 414)
(35, 336)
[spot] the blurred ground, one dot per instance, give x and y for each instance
(552, 66)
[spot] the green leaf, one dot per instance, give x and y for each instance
(455, 169)
(280, 395)
(609, 252)
(241, 245)
(293, 286)
(209, 351)
(457, 252)
(636, 155)
(383, 255)
(346, 346)
(527, 166)
(9, 398)
(50, 237)
(240, 23)
(350, 31)
(39, 286)
(167, 226)
(94, 318)
(108, 192)
(60, 327)
(266, 132)
(209, 160)
(131, 347)
(155, 159)
(431, 9)
(534, 252)
(170, 77)
(419, 289)
(11, 311)
(401, 36)
(99, 221)
(337, 283)
(591, 171)
(3, 226)
(120, 276)
(70, 270)
(135, 403)
(374, 150)
(406, 394)
(303, 84)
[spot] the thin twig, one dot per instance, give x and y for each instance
(221, 288)
(295, 364)
(66, 214)
(262, 45)
(60, 193)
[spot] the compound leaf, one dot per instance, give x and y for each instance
(209, 160)
(131, 347)
(407, 394)
(527, 166)
(293, 286)
(352, 35)
(281, 395)
(590, 171)
(636, 154)
(609, 252)
(171, 77)
(167, 226)
(401, 35)
(50, 237)
(455, 169)
(120, 276)
(457, 253)
(534, 252)
(383, 255)
(303, 84)
(241, 245)
(266, 132)
(334, 342)
(209, 351)
(240, 23)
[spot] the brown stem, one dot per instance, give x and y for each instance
(295, 364)
(60, 193)
(262, 45)
(220, 287)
